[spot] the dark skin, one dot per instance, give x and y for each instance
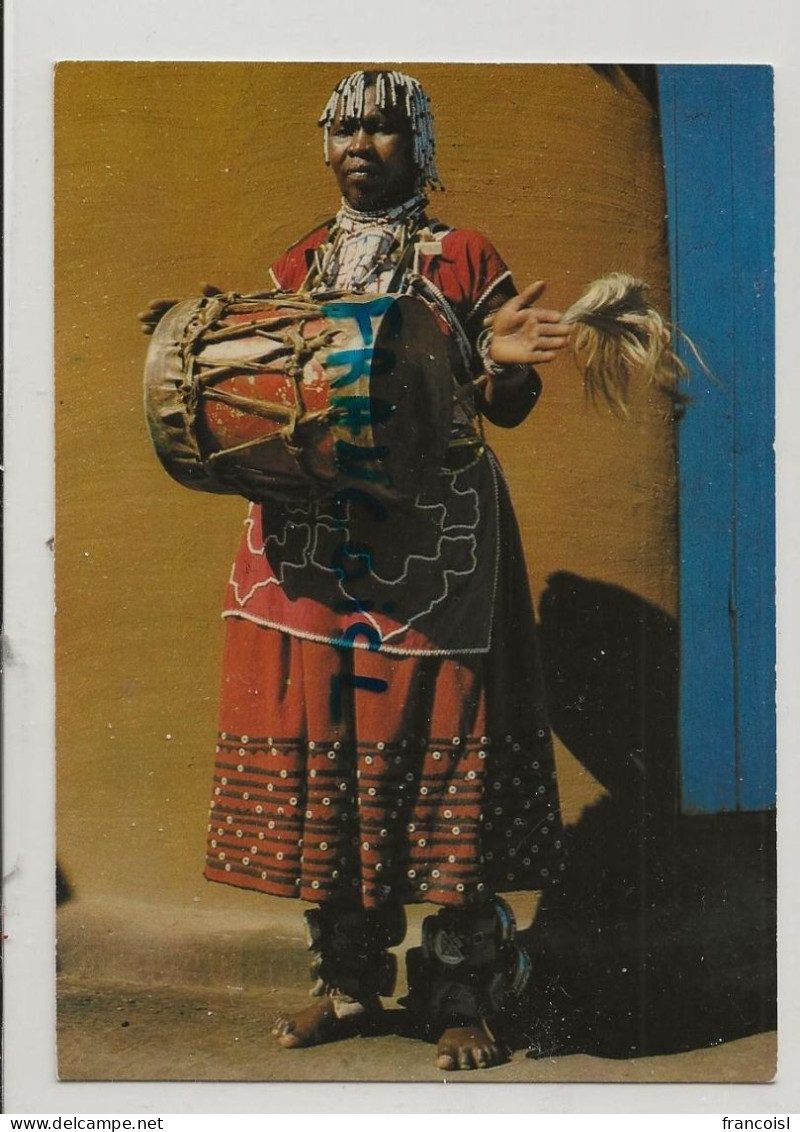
(372, 157)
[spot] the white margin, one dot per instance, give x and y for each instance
(39, 32)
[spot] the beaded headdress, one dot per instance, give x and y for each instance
(393, 91)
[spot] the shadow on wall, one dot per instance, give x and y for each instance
(642, 75)
(63, 887)
(662, 937)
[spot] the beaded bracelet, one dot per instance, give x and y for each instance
(483, 346)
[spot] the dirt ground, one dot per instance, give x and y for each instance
(123, 1033)
(189, 996)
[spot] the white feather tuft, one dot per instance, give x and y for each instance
(621, 337)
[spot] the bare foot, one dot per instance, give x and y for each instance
(468, 1047)
(317, 1024)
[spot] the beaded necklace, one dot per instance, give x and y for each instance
(364, 249)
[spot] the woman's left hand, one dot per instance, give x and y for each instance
(525, 335)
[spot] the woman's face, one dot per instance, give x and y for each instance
(372, 157)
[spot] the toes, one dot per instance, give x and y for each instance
(467, 1048)
(285, 1030)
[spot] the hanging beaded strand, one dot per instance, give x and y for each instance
(391, 89)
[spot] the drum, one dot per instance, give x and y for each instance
(286, 397)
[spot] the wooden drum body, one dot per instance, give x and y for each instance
(287, 397)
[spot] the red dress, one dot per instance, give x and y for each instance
(400, 754)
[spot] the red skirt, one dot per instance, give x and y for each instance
(344, 773)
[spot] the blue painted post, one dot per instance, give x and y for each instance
(718, 154)
(754, 330)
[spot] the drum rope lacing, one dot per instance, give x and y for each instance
(287, 331)
(284, 330)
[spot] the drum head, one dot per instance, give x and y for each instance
(170, 398)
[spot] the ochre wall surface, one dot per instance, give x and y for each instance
(169, 175)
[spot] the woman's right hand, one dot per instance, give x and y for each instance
(155, 311)
(157, 308)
